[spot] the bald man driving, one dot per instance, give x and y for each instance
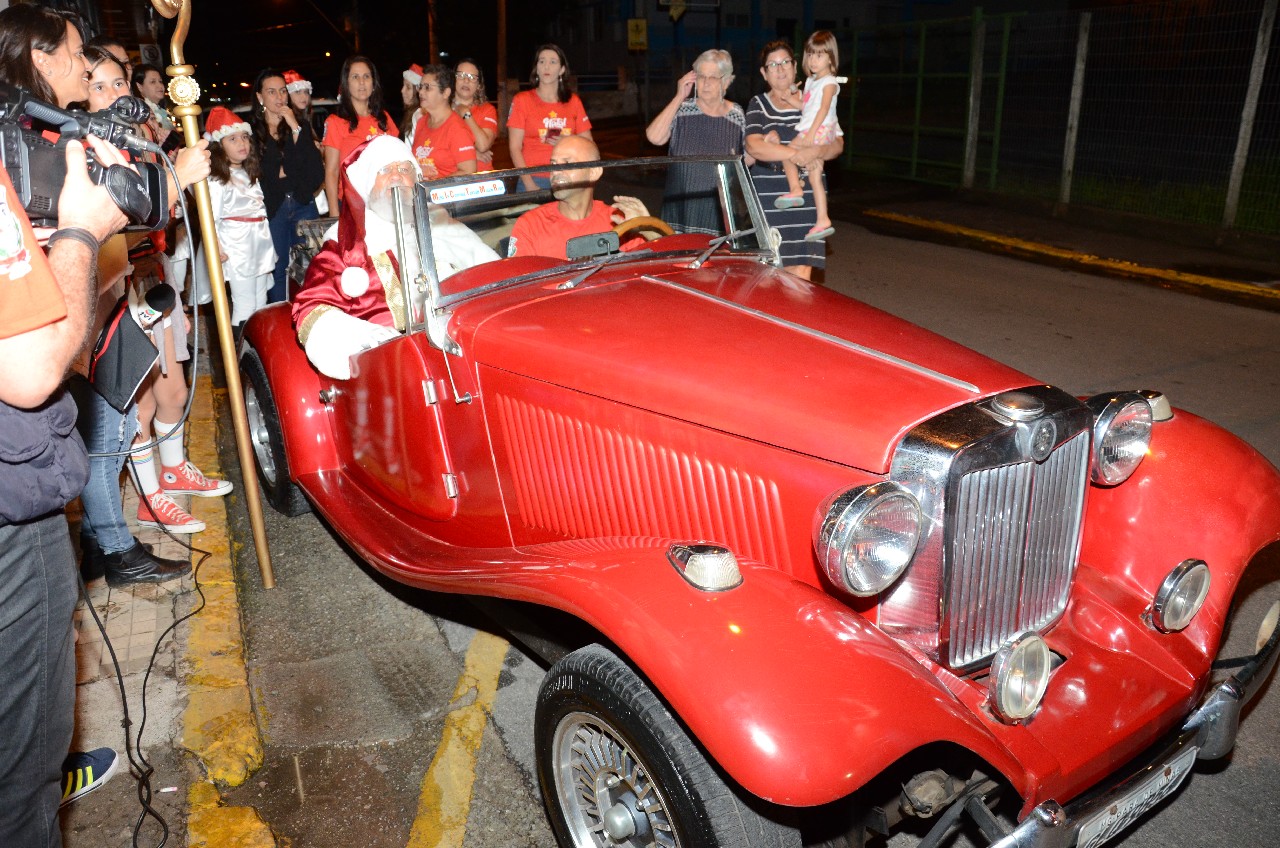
(546, 230)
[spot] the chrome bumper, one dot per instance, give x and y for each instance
(1211, 729)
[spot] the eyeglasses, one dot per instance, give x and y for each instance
(404, 169)
(427, 86)
(779, 63)
(472, 77)
(701, 78)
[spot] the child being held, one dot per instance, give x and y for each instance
(817, 126)
(240, 213)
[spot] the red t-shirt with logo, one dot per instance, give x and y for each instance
(338, 132)
(443, 148)
(545, 123)
(544, 231)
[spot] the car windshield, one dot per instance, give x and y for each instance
(482, 231)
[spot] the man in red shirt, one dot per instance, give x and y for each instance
(546, 230)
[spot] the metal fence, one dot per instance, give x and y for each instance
(1166, 110)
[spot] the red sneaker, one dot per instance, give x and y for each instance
(186, 479)
(168, 514)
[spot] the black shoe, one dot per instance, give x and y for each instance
(139, 565)
(92, 566)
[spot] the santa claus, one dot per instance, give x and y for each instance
(352, 298)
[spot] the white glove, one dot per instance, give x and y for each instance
(337, 336)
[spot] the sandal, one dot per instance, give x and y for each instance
(816, 234)
(788, 201)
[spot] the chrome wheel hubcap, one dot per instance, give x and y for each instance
(259, 435)
(605, 790)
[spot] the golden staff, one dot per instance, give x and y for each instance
(185, 92)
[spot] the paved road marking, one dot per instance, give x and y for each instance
(1110, 265)
(445, 798)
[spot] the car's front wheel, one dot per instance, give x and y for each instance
(617, 769)
(267, 438)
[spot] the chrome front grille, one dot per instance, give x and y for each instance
(1013, 537)
(1002, 529)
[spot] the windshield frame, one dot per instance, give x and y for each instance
(429, 283)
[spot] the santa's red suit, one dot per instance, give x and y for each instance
(352, 298)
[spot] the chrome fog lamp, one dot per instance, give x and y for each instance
(867, 536)
(1121, 435)
(1180, 596)
(711, 568)
(1019, 676)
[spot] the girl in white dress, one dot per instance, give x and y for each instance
(818, 125)
(240, 213)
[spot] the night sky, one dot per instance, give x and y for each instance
(231, 40)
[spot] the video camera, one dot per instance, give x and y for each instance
(38, 167)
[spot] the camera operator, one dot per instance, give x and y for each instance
(45, 311)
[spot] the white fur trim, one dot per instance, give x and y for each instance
(355, 281)
(229, 129)
(336, 337)
(300, 85)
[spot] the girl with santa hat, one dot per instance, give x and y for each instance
(240, 213)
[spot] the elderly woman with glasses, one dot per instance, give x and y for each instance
(771, 123)
(698, 121)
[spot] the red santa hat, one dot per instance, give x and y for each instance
(414, 74)
(222, 122)
(359, 172)
(294, 81)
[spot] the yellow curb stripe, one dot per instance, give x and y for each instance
(218, 724)
(1116, 266)
(444, 801)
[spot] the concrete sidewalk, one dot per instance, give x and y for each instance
(181, 660)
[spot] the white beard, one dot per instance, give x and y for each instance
(380, 232)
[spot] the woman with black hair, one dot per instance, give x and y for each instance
(148, 83)
(542, 116)
(359, 117)
(43, 51)
(291, 169)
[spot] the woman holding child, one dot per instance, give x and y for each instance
(771, 123)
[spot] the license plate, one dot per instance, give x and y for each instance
(1104, 826)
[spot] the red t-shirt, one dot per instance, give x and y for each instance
(444, 148)
(338, 133)
(545, 123)
(29, 295)
(544, 231)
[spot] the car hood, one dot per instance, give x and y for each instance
(740, 347)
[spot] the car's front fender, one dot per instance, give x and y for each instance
(798, 698)
(295, 388)
(1201, 493)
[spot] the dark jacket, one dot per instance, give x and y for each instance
(303, 169)
(43, 462)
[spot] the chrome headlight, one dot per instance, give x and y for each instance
(1019, 676)
(1121, 435)
(1180, 596)
(867, 536)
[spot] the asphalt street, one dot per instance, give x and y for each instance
(364, 689)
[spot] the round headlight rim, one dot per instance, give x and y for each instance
(1169, 588)
(850, 507)
(1106, 408)
(999, 666)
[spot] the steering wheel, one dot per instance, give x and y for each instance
(654, 227)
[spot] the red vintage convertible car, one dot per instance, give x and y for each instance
(812, 570)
